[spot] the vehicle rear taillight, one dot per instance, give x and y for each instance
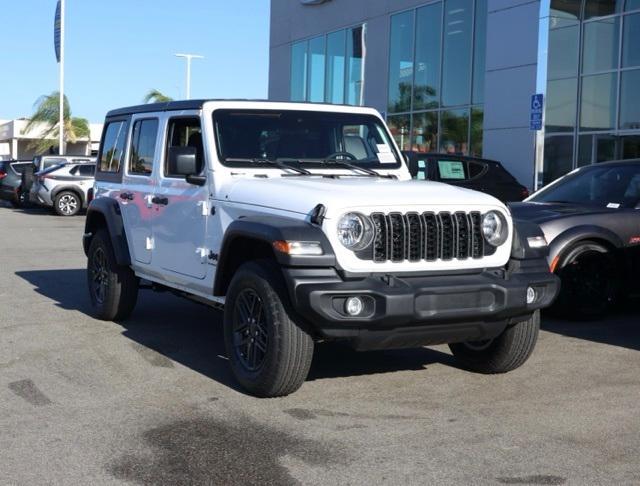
(90, 195)
(3, 174)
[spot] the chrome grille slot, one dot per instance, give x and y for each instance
(427, 236)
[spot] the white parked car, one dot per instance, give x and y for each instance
(66, 188)
(303, 222)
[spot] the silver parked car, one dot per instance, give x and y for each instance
(65, 187)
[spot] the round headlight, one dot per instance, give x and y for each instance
(355, 231)
(494, 228)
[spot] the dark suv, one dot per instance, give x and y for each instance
(11, 179)
(472, 173)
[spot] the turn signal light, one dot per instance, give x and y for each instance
(298, 247)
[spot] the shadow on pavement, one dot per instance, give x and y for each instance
(191, 334)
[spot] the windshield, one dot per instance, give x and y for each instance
(249, 137)
(605, 186)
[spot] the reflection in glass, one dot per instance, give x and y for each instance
(630, 100)
(480, 50)
(399, 127)
(558, 157)
(316, 69)
(631, 147)
(401, 62)
(632, 5)
(631, 41)
(299, 71)
(606, 148)
(454, 132)
(561, 105)
(425, 132)
(600, 45)
(456, 77)
(355, 65)
(427, 77)
(598, 104)
(565, 11)
(334, 90)
(563, 52)
(477, 122)
(600, 8)
(585, 150)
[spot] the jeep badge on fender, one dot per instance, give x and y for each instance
(302, 221)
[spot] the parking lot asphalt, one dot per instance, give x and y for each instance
(152, 401)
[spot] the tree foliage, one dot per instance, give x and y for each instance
(156, 96)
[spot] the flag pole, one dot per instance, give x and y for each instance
(61, 120)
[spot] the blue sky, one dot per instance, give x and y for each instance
(116, 50)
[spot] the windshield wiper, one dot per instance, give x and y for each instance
(275, 162)
(351, 166)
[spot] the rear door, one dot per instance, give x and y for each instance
(179, 226)
(140, 179)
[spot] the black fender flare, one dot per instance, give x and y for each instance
(522, 231)
(267, 230)
(571, 236)
(105, 211)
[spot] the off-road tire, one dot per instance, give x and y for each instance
(288, 351)
(67, 203)
(504, 353)
(118, 298)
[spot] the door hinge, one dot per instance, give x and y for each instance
(213, 256)
(206, 208)
(150, 243)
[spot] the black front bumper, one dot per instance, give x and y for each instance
(407, 311)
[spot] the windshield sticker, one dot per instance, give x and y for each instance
(383, 148)
(613, 205)
(386, 158)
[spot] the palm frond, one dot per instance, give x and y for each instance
(156, 96)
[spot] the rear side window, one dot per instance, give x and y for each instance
(88, 170)
(50, 162)
(19, 168)
(143, 146)
(476, 169)
(113, 147)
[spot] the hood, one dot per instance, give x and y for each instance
(543, 212)
(302, 194)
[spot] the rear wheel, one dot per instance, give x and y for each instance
(67, 203)
(113, 288)
(270, 355)
(590, 281)
(504, 353)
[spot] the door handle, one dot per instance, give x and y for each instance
(127, 196)
(160, 200)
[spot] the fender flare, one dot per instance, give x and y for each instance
(267, 230)
(567, 238)
(105, 211)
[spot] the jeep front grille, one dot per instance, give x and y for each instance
(427, 236)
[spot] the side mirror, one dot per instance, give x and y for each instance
(183, 161)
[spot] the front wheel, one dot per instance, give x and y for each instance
(270, 355)
(67, 203)
(501, 354)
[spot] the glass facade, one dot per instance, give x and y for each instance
(593, 73)
(436, 77)
(329, 68)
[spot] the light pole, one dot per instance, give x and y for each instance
(189, 57)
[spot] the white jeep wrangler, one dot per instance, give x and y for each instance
(303, 221)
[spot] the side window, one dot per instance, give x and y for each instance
(185, 132)
(74, 170)
(452, 170)
(476, 169)
(143, 146)
(113, 147)
(88, 170)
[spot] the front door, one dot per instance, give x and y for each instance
(180, 220)
(140, 180)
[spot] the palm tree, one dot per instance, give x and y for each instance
(47, 116)
(156, 96)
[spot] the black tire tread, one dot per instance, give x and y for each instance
(507, 352)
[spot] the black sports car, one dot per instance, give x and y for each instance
(591, 220)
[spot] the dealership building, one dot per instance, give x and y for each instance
(544, 86)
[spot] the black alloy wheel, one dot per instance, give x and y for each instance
(99, 275)
(250, 336)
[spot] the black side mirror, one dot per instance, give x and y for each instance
(183, 161)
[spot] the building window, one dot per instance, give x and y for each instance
(329, 68)
(592, 101)
(436, 76)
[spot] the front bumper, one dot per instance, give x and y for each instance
(407, 311)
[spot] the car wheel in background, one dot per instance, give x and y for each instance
(113, 288)
(590, 281)
(67, 203)
(270, 355)
(501, 354)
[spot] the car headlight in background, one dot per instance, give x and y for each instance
(355, 231)
(494, 228)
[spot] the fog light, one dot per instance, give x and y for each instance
(354, 306)
(532, 295)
